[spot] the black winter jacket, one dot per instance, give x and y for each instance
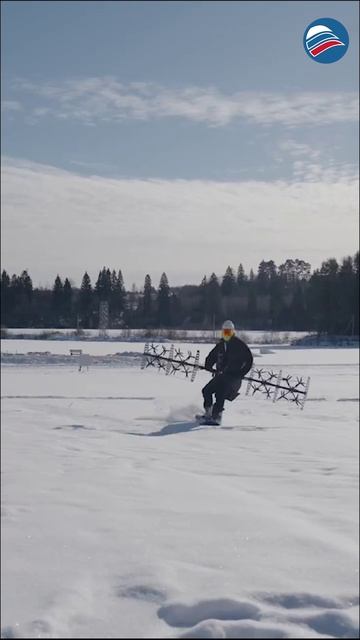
(233, 357)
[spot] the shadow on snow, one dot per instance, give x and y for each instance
(171, 429)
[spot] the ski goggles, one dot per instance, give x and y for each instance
(227, 332)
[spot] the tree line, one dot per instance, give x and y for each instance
(277, 298)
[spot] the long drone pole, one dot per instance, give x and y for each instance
(273, 384)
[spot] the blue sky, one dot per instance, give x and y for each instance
(114, 96)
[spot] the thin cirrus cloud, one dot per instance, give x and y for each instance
(90, 100)
(56, 221)
(11, 105)
(311, 163)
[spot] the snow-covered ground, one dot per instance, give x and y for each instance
(255, 337)
(121, 519)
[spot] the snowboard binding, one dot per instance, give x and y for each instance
(208, 419)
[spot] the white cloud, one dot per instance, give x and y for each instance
(311, 163)
(90, 100)
(57, 221)
(11, 105)
(298, 149)
(95, 166)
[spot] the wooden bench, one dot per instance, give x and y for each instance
(84, 358)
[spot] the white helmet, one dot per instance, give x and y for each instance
(228, 325)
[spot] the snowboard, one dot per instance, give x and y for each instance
(202, 419)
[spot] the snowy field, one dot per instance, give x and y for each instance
(255, 337)
(121, 519)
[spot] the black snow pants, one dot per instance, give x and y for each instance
(225, 387)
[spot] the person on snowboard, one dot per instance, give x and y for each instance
(232, 359)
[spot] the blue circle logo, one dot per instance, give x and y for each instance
(326, 40)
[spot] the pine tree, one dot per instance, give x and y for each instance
(6, 307)
(176, 311)
(163, 300)
(108, 283)
(117, 298)
(117, 294)
(67, 300)
(57, 301)
(298, 308)
(252, 307)
(355, 323)
(213, 299)
(241, 278)
(356, 263)
(203, 289)
(85, 300)
(147, 302)
(228, 284)
(120, 292)
(103, 285)
(113, 282)
(27, 286)
(347, 294)
(5, 281)
(15, 284)
(323, 296)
